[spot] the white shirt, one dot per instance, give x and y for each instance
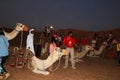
(29, 42)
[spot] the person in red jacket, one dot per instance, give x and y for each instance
(69, 42)
(84, 42)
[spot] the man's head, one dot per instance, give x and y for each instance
(70, 33)
(1, 31)
(31, 31)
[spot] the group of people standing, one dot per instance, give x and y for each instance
(69, 42)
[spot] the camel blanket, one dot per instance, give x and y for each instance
(20, 58)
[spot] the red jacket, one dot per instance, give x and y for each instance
(84, 42)
(69, 41)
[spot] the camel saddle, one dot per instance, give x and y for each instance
(20, 58)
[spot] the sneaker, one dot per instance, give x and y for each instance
(65, 67)
(79, 60)
(73, 67)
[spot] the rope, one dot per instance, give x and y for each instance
(57, 66)
(21, 39)
(15, 49)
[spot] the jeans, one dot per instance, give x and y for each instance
(2, 61)
(70, 52)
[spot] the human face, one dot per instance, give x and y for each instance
(70, 34)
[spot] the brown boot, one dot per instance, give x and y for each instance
(1, 77)
(6, 76)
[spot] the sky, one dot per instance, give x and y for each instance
(61, 14)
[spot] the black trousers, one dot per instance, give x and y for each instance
(3, 62)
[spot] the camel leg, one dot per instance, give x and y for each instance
(79, 56)
(41, 72)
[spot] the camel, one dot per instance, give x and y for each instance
(19, 27)
(95, 52)
(39, 66)
(45, 48)
(80, 55)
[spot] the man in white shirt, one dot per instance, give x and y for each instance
(30, 41)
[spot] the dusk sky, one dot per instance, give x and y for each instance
(77, 14)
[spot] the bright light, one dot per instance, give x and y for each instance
(51, 27)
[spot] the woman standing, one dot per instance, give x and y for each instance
(52, 46)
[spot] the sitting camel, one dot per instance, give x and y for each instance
(95, 52)
(39, 66)
(81, 54)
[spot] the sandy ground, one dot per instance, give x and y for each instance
(89, 69)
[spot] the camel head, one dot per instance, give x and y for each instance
(88, 47)
(20, 27)
(58, 52)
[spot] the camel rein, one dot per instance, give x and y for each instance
(52, 70)
(21, 39)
